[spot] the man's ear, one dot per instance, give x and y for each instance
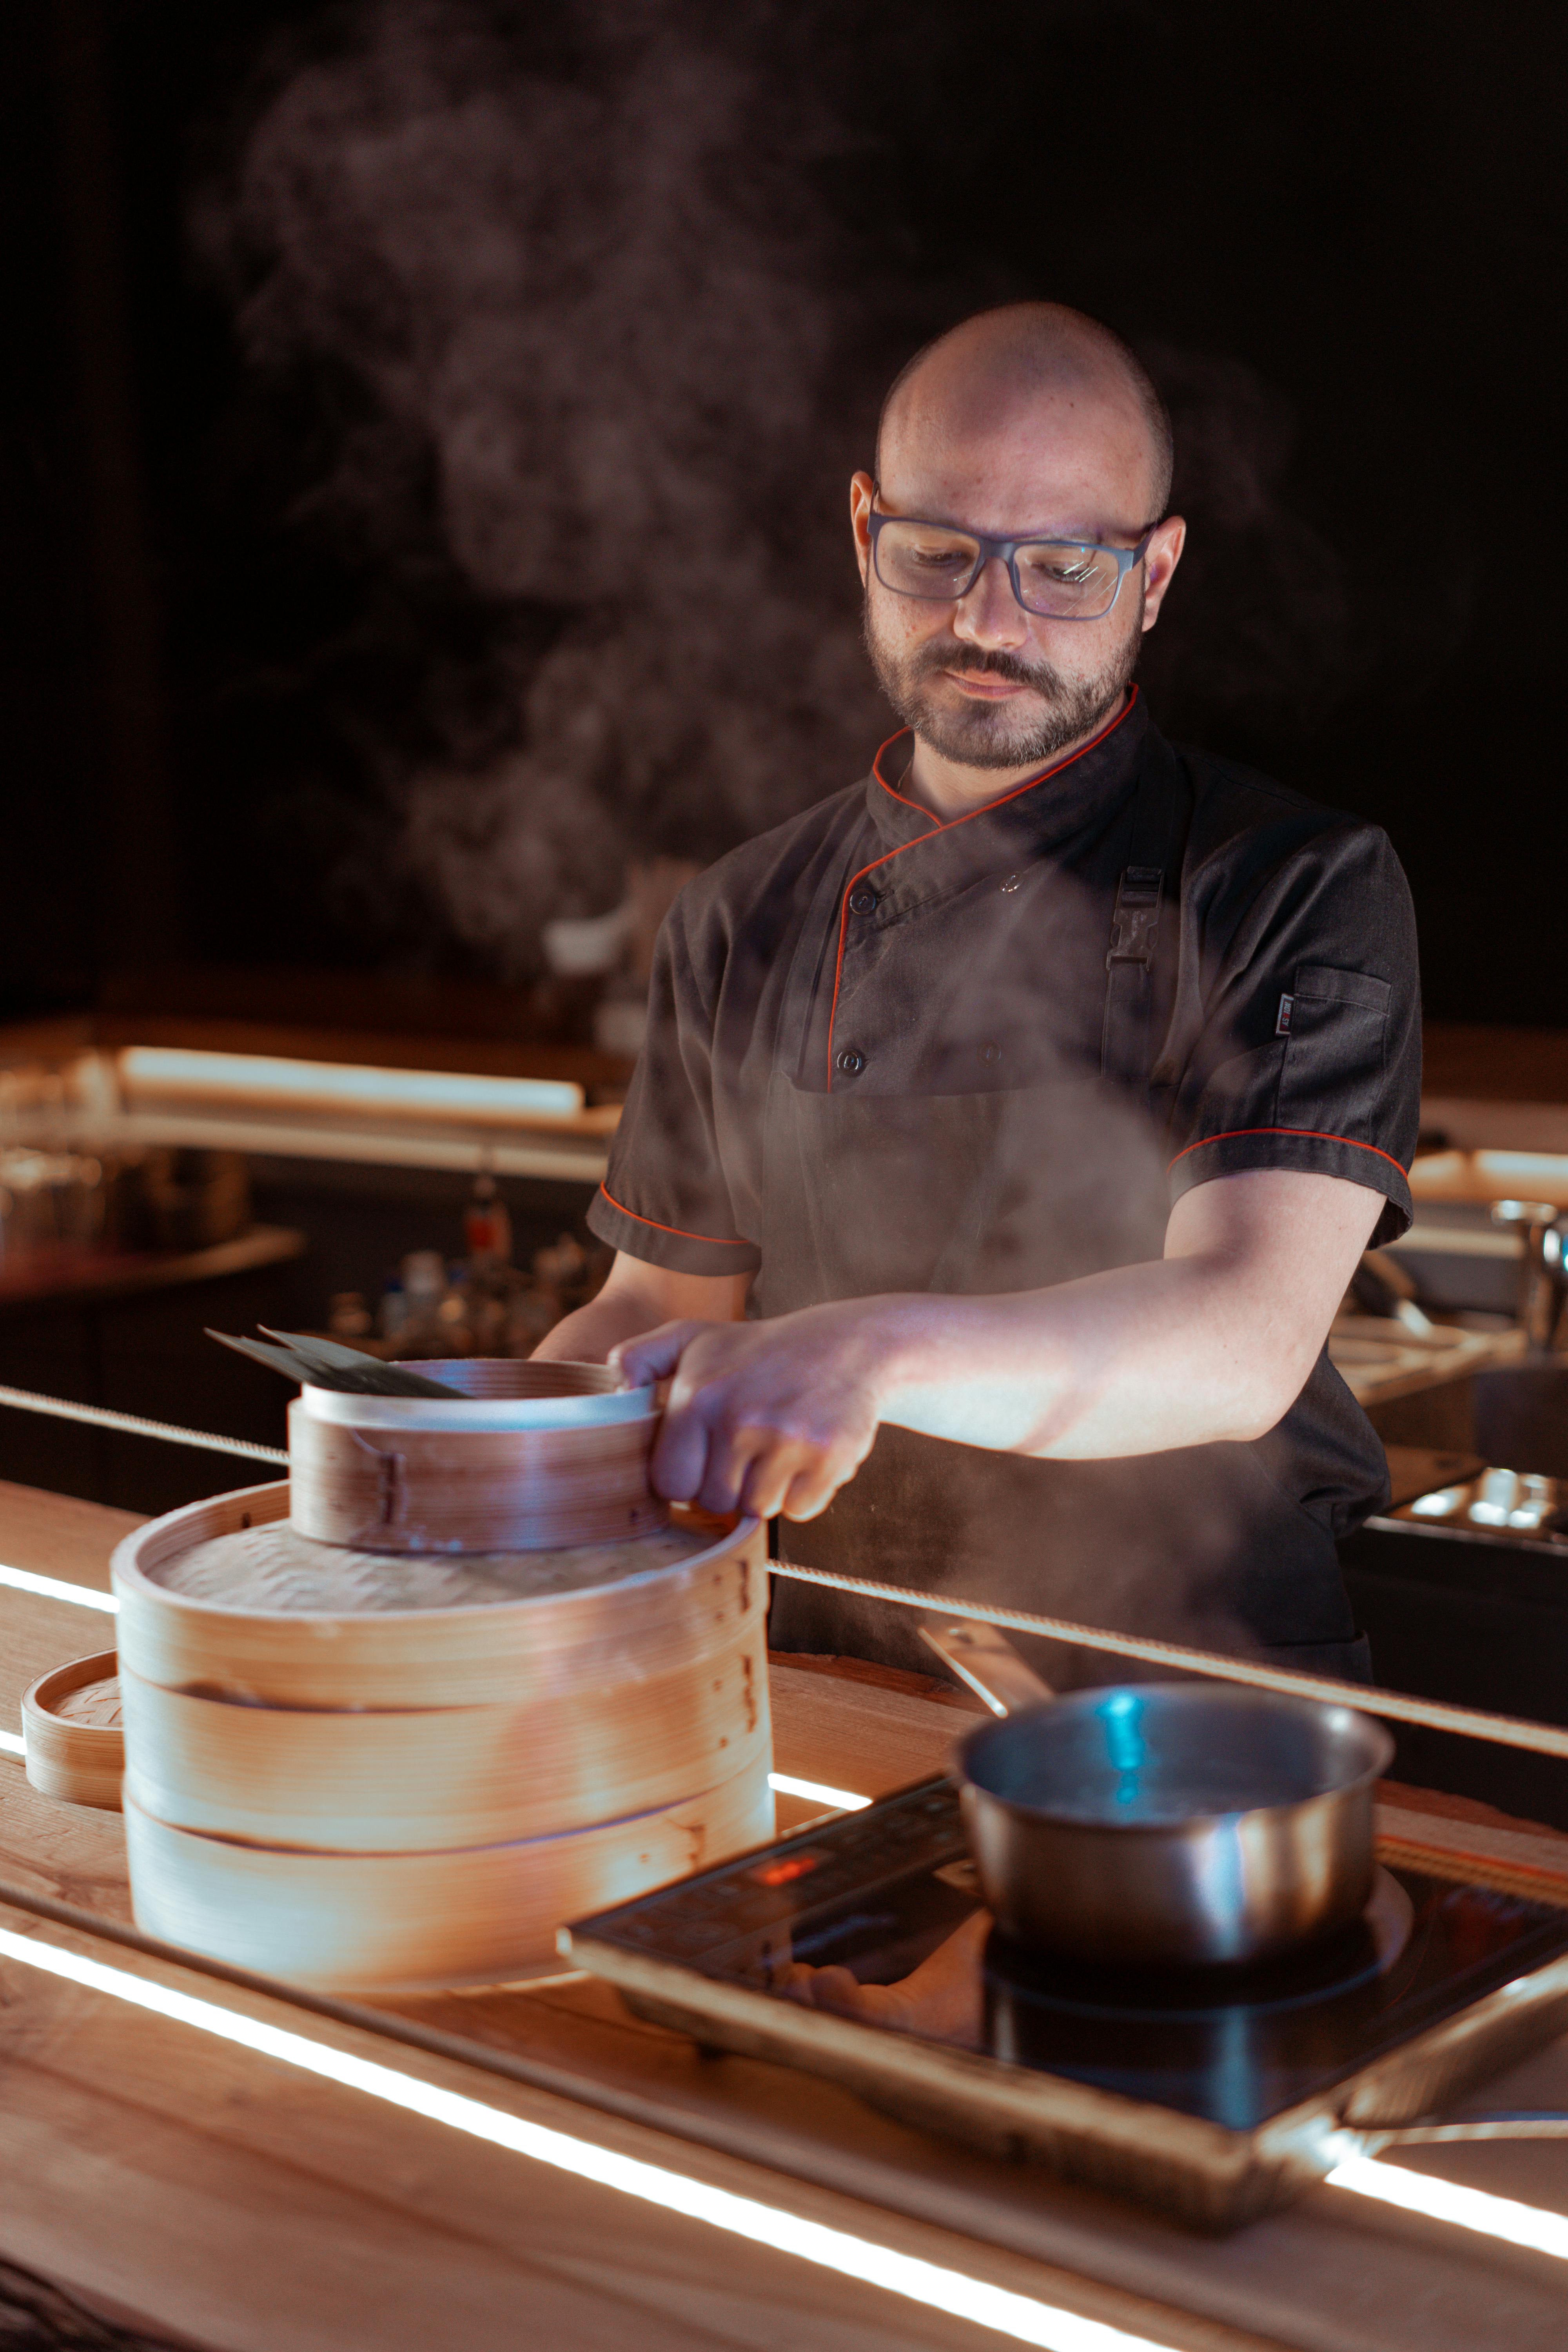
(1160, 562)
(862, 493)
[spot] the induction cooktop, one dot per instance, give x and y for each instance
(859, 1948)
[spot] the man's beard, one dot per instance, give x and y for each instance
(988, 735)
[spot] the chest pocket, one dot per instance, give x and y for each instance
(1332, 1081)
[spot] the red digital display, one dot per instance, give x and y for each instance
(780, 1873)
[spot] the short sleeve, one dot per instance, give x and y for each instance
(665, 1198)
(1309, 1051)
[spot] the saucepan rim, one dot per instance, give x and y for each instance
(1338, 1720)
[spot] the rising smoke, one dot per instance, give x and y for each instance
(585, 282)
(599, 300)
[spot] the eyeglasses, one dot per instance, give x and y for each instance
(1060, 579)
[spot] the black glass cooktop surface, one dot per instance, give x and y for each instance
(876, 1916)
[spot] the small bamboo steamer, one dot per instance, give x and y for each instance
(414, 1474)
(639, 1629)
(403, 1780)
(412, 1922)
(73, 1744)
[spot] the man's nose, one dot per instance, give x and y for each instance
(990, 614)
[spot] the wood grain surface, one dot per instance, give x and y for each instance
(230, 2203)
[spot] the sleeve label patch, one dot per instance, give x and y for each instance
(1282, 1025)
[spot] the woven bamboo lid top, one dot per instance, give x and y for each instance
(271, 1569)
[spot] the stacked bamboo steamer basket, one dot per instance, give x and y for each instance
(392, 1737)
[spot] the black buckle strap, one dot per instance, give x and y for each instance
(1135, 922)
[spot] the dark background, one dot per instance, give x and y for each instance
(1348, 220)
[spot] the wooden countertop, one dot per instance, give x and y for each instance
(84, 1277)
(209, 2192)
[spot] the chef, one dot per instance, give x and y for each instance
(1011, 1122)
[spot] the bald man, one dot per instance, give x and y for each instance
(1011, 1123)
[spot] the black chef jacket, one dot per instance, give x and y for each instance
(877, 1060)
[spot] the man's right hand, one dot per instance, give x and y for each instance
(769, 1417)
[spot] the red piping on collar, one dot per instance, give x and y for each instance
(938, 825)
(1307, 1135)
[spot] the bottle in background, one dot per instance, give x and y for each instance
(348, 1316)
(486, 1226)
(394, 1309)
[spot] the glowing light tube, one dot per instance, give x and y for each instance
(1447, 2200)
(260, 1079)
(55, 1588)
(844, 1800)
(1023, 2317)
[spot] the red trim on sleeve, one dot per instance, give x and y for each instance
(719, 1241)
(1307, 1134)
(935, 827)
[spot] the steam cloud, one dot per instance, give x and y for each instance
(599, 303)
(586, 282)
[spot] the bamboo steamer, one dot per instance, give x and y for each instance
(338, 1772)
(72, 1741)
(410, 1778)
(638, 1628)
(413, 1922)
(545, 1454)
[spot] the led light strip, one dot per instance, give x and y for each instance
(1021, 2316)
(844, 1800)
(344, 1085)
(51, 1588)
(55, 1588)
(1446, 2201)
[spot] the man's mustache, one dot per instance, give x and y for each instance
(1041, 676)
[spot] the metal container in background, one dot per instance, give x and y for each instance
(1164, 1824)
(1543, 1268)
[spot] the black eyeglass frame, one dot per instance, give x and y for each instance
(1006, 551)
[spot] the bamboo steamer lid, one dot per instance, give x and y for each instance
(533, 1455)
(405, 1779)
(581, 1620)
(73, 1744)
(410, 1922)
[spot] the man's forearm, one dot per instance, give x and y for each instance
(1212, 1342)
(1135, 1361)
(637, 1297)
(586, 1336)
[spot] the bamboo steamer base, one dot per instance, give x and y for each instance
(73, 1743)
(421, 1922)
(400, 1781)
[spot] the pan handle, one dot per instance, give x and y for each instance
(984, 1658)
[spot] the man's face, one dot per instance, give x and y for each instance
(985, 704)
(982, 682)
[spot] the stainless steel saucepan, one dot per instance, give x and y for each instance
(1162, 1825)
